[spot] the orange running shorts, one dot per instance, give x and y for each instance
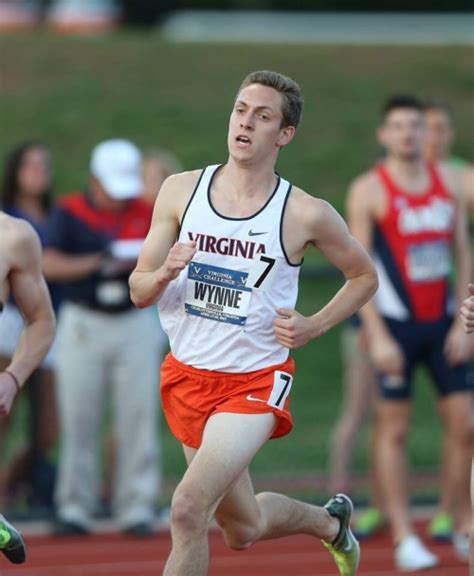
(190, 396)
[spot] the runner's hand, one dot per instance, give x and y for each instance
(456, 345)
(178, 258)
(292, 329)
(387, 356)
(467, 311)
(7, 393)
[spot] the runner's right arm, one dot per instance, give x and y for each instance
(162, 258)
(363, 200)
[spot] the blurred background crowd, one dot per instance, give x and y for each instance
(93, 120)
(91, 240)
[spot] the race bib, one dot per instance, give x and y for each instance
(281, 389)
(217, 293)
(429, 261)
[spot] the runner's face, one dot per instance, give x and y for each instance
(402, 133)
(439, 134)
(255, 124)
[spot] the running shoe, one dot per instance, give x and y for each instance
(345, 548)
(69, 528)
(461, 545)
(11, 542)
(142, 529)
(411, 554)
(441, 527)
(369, 523)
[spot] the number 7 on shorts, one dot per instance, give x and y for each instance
(281, 388)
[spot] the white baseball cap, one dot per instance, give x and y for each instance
(117, 165)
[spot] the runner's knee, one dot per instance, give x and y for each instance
(187, 516)
(466, 435)
(461, 429)
(240, 536)
(392, 429)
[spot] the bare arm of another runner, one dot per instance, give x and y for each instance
(468, 177)
(31, 295)
(456, 346)
(316, 222)
(162, 258)
(365, 202)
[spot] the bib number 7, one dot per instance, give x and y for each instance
(262, 273)
(281, 388)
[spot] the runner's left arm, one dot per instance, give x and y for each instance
(329, 233)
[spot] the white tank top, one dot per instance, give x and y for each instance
(219, 312)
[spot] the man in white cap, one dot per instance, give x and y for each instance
(94, 239)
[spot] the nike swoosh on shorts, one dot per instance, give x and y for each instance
(252, 399)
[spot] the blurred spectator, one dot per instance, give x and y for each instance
(26, 193)
(439, 141)
(360, 396)
(72, 16)
(19, 14)
(94, 239)
(157, 165)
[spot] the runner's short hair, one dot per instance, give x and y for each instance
(292, 107)
(406, 101)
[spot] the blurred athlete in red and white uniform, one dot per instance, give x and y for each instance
(410, 215)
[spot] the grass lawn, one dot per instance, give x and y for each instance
(73, 92)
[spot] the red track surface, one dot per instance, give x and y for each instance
(116, 555)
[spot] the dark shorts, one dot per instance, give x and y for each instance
(422, 344)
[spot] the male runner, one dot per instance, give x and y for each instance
(411, 215)
(467, 318)
(226, 292)
(20, 276)
(437, 148)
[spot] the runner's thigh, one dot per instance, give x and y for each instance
(229, 443)
(239, 504)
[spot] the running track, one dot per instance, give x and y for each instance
(116, 555)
